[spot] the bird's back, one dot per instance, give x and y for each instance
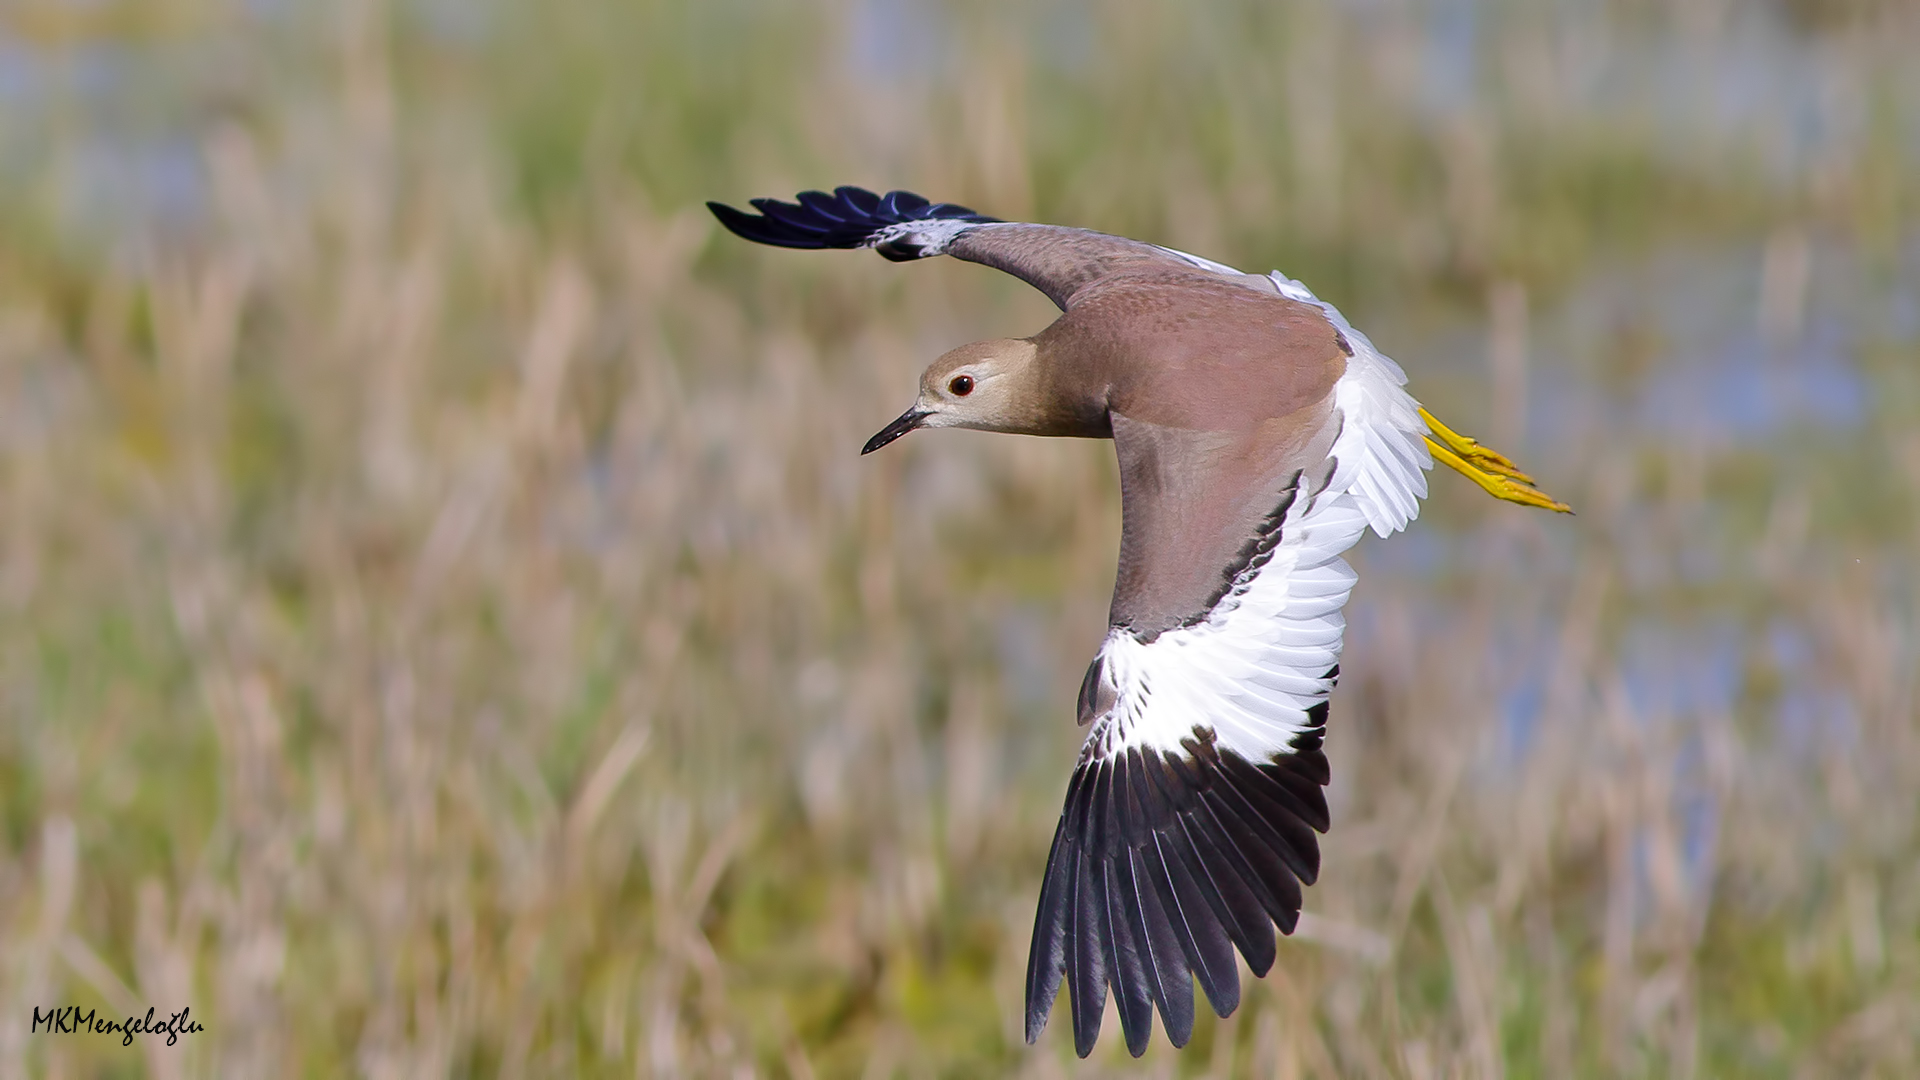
(1188, 350)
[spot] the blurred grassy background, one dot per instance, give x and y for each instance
(445, 628)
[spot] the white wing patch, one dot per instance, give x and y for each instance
(1253, 669)
(1257, 666)
(928, 236)
(1381, 454)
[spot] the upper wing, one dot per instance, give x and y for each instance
(1189, 825)
(900, 225)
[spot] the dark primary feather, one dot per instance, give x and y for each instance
(1169, 985)
(1163, 864)
(1090, 939)
(848, 218)
(1047, 957)
(1127, 956)
(1203, 939)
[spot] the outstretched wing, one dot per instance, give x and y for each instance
(1190, 824)
(902, 226)
(851, 217)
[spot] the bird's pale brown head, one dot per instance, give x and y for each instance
(988, 385)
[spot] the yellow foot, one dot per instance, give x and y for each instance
(1487, 467)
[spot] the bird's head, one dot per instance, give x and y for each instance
(988, 385)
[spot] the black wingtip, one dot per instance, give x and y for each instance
(1090, 936)
(759, 228)
(1164, 864)
(848, 218)
(1047, 956)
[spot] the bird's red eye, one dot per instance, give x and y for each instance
(962, 385)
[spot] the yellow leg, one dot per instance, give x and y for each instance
(1487, 467)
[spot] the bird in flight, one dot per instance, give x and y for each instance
(1258, 436)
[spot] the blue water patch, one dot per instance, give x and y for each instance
(1679, 671)
(1675, 348)
(1714, 372)
(1522, 710)
(122, 185)
(1812, 719)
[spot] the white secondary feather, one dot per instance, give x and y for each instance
(1381, 454)
(1259, 661)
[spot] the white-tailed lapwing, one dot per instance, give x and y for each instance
(1258, 435)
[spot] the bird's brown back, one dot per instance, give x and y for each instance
(1221, 400)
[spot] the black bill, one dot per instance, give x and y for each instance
(909, 420)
